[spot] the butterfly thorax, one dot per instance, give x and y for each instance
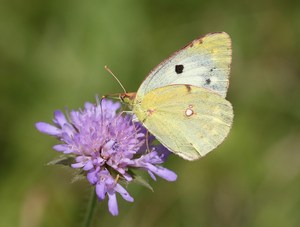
(139, 110)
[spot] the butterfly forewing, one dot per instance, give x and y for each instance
(205, 62)
(190, 121)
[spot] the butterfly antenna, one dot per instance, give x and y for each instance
(111, 73)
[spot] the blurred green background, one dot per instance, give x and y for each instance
(52, 55)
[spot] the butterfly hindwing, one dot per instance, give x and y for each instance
(190, 121)
(205, 62)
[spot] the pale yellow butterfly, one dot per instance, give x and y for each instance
(182, 101)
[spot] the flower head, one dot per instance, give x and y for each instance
(106, 145)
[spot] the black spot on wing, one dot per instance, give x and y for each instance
(207, 81)
(212, 69)
(179, 69)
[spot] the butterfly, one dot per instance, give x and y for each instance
(182, 100)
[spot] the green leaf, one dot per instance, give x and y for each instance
(78, 176)
(65, 160)
(141, 181)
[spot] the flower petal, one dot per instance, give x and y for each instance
(92, 176)
(152, 175)
(88, 105)
(113, 204)
(162, 172)
(123, 193)
(60, 147)
(47, 129)
(59, 118)
(77, 165)
(127, 177)
(100, 190)
(88, 166)
(68, 129)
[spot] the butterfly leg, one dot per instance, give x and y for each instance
(147, 141)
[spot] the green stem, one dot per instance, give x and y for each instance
(91, 210)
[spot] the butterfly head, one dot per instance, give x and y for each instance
(128, 98)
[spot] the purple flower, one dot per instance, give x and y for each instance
(106, 145)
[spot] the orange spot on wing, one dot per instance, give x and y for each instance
(150, 112)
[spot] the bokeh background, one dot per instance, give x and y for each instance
(52, 55)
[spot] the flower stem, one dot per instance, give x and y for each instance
(91, 210)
